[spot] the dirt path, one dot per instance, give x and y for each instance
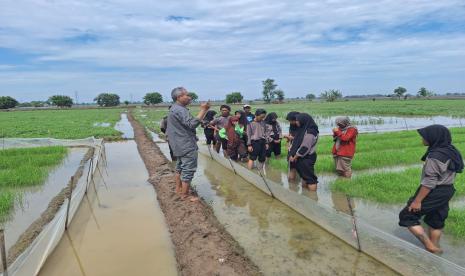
(202, 245)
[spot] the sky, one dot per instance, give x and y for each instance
(87, 47)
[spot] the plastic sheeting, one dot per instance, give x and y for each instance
(398, 254)
(31, 260)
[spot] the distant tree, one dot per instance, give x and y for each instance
(279, 95)
(423, 92)
(331, 95)
(126, 102)
(61, 100)
(234, 97)
(310, 96)
(7, 102)
(153, 98)
(269, 88)
(38, 103)
(107, 99)
(194, 96)
(400, 91)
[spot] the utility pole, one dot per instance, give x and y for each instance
(130, 97)
(75, 97)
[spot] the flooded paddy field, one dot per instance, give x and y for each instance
(280, 241)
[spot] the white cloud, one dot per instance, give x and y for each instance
(316, 43)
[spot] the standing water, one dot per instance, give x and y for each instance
(120, 230)
(279, 240)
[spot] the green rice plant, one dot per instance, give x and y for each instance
(455, 223)
(62, 124)
(7, 199)
(26, 166)
(388, 187)
(150, 117)
(375, 151)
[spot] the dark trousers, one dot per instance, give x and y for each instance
(273, 148)
(305, 167)
(221, 143)
(434, 208)
(258, 150)
(210, 136)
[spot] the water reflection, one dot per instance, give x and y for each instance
(279, 240)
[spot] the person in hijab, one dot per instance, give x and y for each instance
(291, 118)
(276, 134)
(243, 121)
(232, 133)
(258, 138)
(207, 130)
(442, 161)
(345, 139)
(303, 150)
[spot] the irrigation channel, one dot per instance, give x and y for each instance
(278, 239)
(115, 224)
(281, 242)
(119, 229)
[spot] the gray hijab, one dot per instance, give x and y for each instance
(344, 124)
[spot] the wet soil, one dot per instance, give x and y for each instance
(36, 227)
(202, 245)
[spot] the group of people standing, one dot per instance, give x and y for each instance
(247, 137)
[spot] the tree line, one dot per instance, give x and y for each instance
(271, 94)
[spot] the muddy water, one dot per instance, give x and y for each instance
(36, 199)
(121, 229)
(125, 127)
(383, 216)
(278, 240)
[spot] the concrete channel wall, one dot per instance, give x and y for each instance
(399, 255)
(31, 260)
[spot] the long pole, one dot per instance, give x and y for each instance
(210, 151)
(354, 223)
(69, 202)
(264, 180)
(230, 163)
(3, 249)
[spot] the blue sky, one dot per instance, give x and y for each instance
(213, 48)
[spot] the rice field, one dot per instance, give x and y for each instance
(150, 117)
(61, 124)
(25, 167)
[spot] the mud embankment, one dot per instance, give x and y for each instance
(202, 245)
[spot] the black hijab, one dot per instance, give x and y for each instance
(210, 115)
(270, 117)
(307, 125)
(292, 116)
(243, 118)
(440, 147)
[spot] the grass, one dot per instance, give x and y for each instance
(387, 187)
(150, 117)
(375, 150)
(61, 124)
(414, 107)
(7, 199)
(25, 167)
(397, 188)
(369, 107)
(455, 223)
